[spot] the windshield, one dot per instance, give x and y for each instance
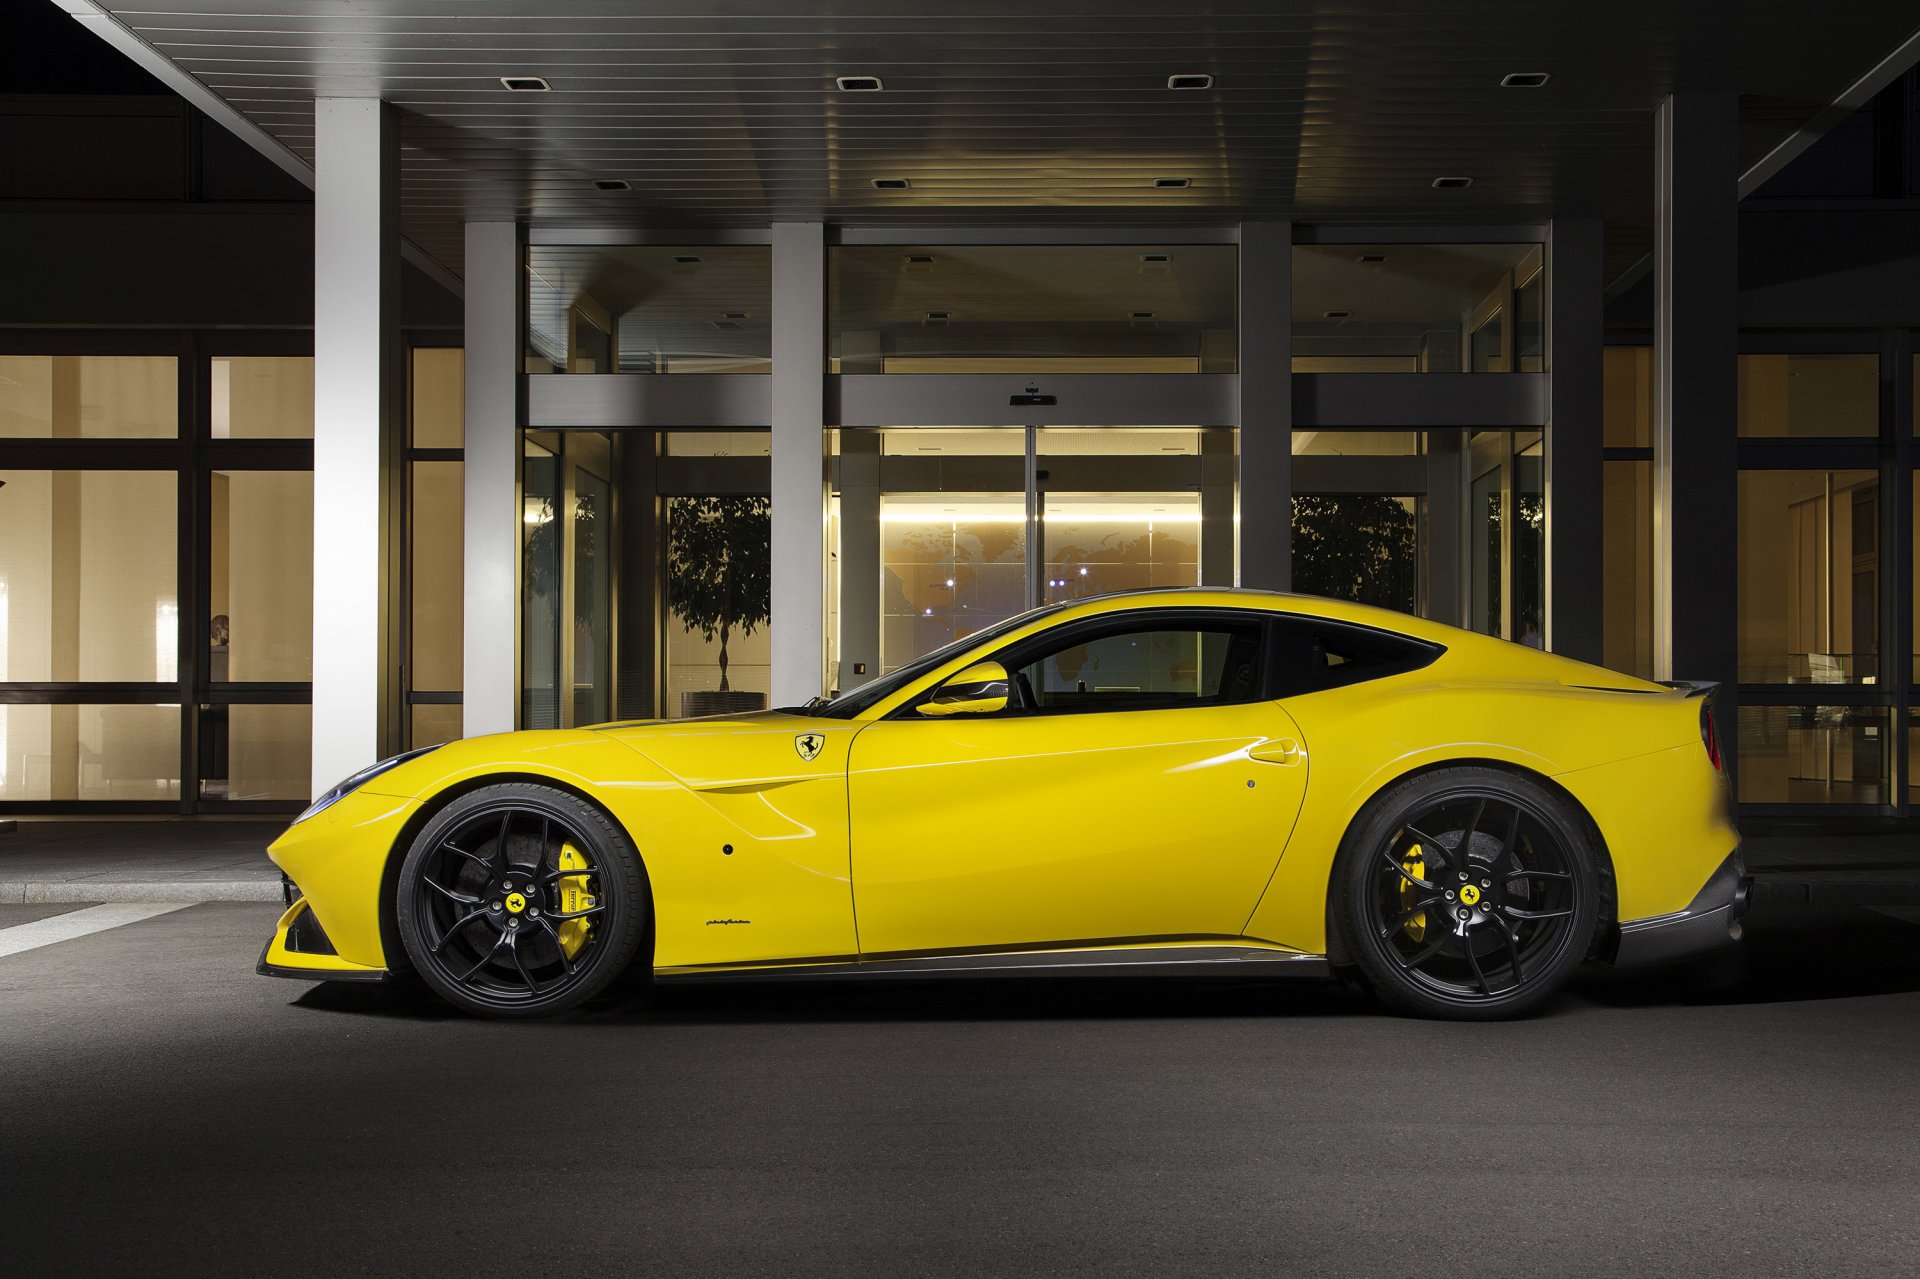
(861, 699)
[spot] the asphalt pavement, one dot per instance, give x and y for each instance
(165, 1111)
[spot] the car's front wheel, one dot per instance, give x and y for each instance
(519, 899)
(1467, 893)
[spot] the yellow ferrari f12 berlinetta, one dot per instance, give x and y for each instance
(1186, 782)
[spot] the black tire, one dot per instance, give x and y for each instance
(1479, 932)
(495, 923)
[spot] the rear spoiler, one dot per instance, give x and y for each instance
(1692, 687)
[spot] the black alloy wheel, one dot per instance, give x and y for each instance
(519, 899)
(1468, 893)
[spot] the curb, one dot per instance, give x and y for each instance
(19, 892)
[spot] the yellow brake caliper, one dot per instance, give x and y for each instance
(1414, 862)
(574, 897)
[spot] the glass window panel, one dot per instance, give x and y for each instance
(89, 396)
(88, 586)
(261, 576)
(649, 309)
(1100, 543)
(1809, 395)
(439, 397)
(719, 652)
(268, 753)
(1627, 567)
(63, 753)
(1408, 308)
(1529, 319)
(1809, 577)
(1032, 309)
(719, 443)
(433, 724)
(1359, 443)
(592, 552)
(262, 397)
(1627, 397)
(540, 574)
(1365, 547)
(438, 563)
(951, 564)
(1529, 541)
(1815, 754)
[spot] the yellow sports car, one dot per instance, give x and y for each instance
(1188, 782)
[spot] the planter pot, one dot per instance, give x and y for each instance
(693, 705)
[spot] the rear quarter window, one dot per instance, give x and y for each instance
(1311, 654)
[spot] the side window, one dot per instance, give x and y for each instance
(1310, 654)
(1148, 666)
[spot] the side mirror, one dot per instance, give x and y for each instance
(980, 689)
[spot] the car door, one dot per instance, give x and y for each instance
(1140, 785)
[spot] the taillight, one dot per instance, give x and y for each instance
(1709, 735)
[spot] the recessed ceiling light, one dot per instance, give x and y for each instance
(686, 259)
(525, 84)
(1524, 80)
(1337, 315)
(733, 315)
(1172, 184)
(1156, 259)
(858, 83)
(891, 184)
(612, 184)
(1142, 315)
(1371, 257)
(1195, 81)
(939, 315)
(1451, 184)
(919, 259)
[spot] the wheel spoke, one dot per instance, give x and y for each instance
(1510, 845)
(513, 949)
(1513, 950)
(1537, 874)
(1411, 961)
(1411, 911)
(444, 891)
(558, 945)
(1404, 873)
(555, 875)
(485, 959)
(454, 929)
(500, 844)
(1466, 836)
(1473, 960)
(1515, 913)
(1430, 844)
(477, 859)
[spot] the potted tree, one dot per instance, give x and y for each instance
(720, 580)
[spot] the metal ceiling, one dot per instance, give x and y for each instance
(726, 112)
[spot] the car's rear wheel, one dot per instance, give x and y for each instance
(519, 899)
(1468, 893)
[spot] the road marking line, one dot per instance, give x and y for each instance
(79, 923)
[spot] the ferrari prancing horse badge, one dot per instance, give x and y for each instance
(809, 744)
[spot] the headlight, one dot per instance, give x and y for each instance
(341, 790)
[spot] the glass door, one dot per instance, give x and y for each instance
(938, 533)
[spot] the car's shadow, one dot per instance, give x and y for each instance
(1787, 956)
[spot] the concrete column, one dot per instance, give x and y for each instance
(1266, 405)
(799, 478)
(356, 375)
(1576, 348)
(1696, 344)
(491, 676)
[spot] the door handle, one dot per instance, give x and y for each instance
(1277, 750)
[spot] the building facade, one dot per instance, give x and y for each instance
(342, 412)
